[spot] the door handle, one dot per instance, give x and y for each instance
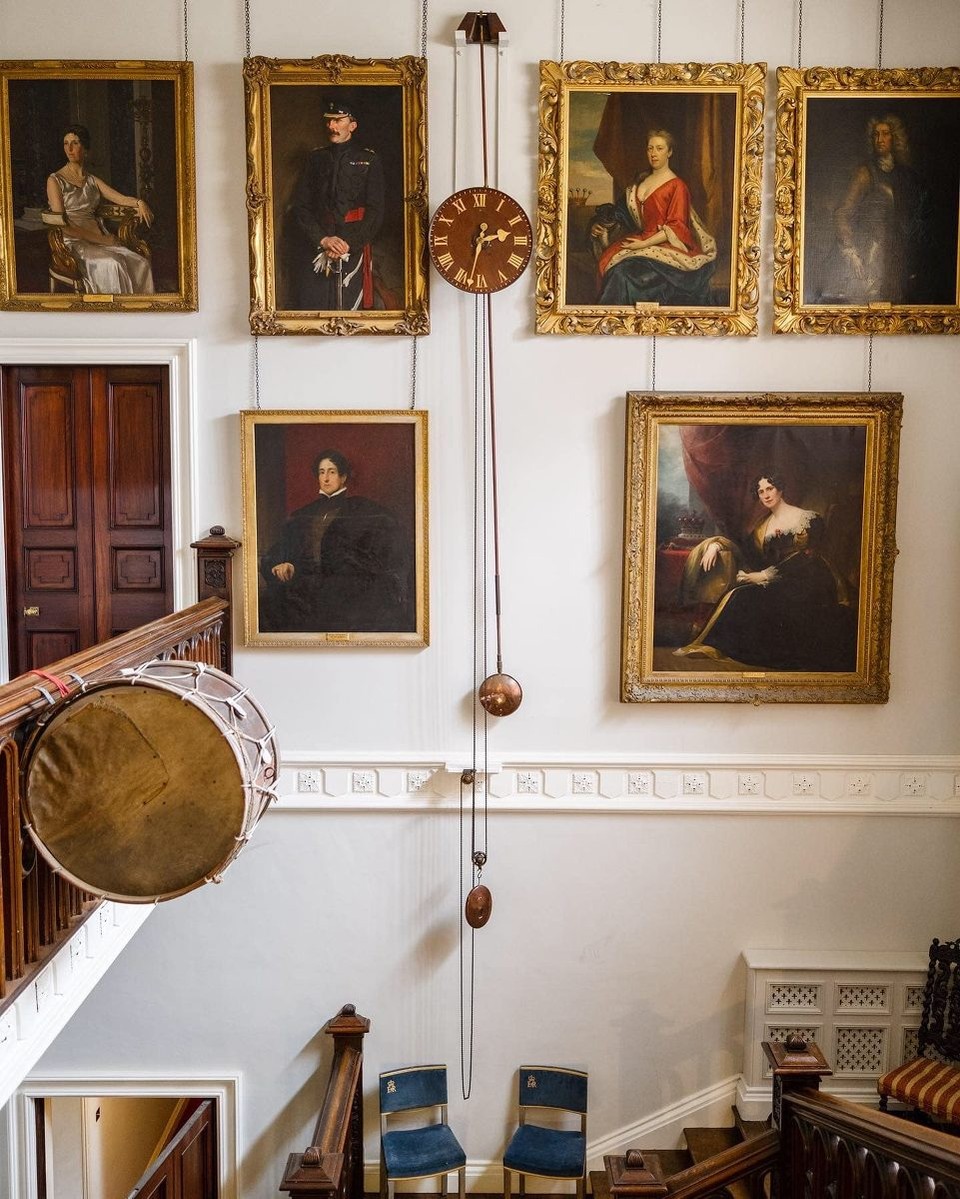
(31, 611)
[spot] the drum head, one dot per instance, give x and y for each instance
(134, 793)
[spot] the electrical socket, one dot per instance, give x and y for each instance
(638, 782)
(308, 781)
(804, 784)
(858, 784)
(694, 784)
(749, 783)
(913, 784)
(528, 782)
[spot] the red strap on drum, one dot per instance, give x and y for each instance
(60, 685)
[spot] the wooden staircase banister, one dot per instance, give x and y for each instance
(750, 1159)
(909, 1146)
(332, 1164)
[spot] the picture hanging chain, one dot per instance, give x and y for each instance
(423, 29)
(870, 363)
(255, 370)
(563, 21)
(653, 362)
(659, 29)
(186, 33)
(880, 37)
(743, 26)
(799, 34)
(246, 27)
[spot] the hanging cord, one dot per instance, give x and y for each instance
(467, 778)
(799, 34)
(563, 22)
(743, 26)
(186, 32)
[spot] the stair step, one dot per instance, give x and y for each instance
(750, 1128)
(705, 1142)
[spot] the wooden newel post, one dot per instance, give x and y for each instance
(332, 1165)
(215, 578)
(797, 1065)
(630, 1175)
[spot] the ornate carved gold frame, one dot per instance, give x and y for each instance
(794, 90)
(184, 298)
(310, 434)
(260, 75)
(666, 677)
(557, 81)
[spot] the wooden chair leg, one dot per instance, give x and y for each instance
(462, 1182)
(521, 1184)
(883, 1103)
(582, 1187)
(507, 1183)
(443, 1186)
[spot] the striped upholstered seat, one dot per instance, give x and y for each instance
(933, 1087)
(931, 1081)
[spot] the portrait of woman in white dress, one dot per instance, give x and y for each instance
(108, 266)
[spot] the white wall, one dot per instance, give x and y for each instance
(615, 939)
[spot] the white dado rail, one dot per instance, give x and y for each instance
(862, 1009)
(618, 783)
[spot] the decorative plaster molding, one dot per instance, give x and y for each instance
(911, 786)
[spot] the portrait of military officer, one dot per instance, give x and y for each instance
(335, 212)
(342, 563)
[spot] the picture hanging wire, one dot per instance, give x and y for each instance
(186, 32)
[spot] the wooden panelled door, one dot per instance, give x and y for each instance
(86, 471)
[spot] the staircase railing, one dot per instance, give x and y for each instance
(820, 1147)
(39, 909)
(332, 1165)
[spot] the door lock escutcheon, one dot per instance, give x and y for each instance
(31, 611)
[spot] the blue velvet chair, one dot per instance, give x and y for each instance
(548, 1152)
(427, 1151)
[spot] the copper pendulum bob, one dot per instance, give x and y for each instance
(479, 903)
(500, 694)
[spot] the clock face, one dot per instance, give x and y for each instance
(480, 239)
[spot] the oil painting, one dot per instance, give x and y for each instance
(649, 195)
(759, 547)
(335, 528)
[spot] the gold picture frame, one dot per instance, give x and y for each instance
(867, 200)
(335, 528)
(595, 122)
(295, 285)
(759, 543)
(114, 227)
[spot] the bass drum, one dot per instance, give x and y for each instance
(148, 784)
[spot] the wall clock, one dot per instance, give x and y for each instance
(480, 240)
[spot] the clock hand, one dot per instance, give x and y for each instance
(478, 246)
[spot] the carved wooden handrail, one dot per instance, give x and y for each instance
(39, 909)
(333, 1162)
(750, 1162)
(843, 1149)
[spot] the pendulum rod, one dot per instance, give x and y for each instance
(494, 489)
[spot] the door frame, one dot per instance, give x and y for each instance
(223, 1089)
(179, 356)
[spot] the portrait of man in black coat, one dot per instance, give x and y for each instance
(340, 565)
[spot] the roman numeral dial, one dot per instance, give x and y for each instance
(480, 240)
